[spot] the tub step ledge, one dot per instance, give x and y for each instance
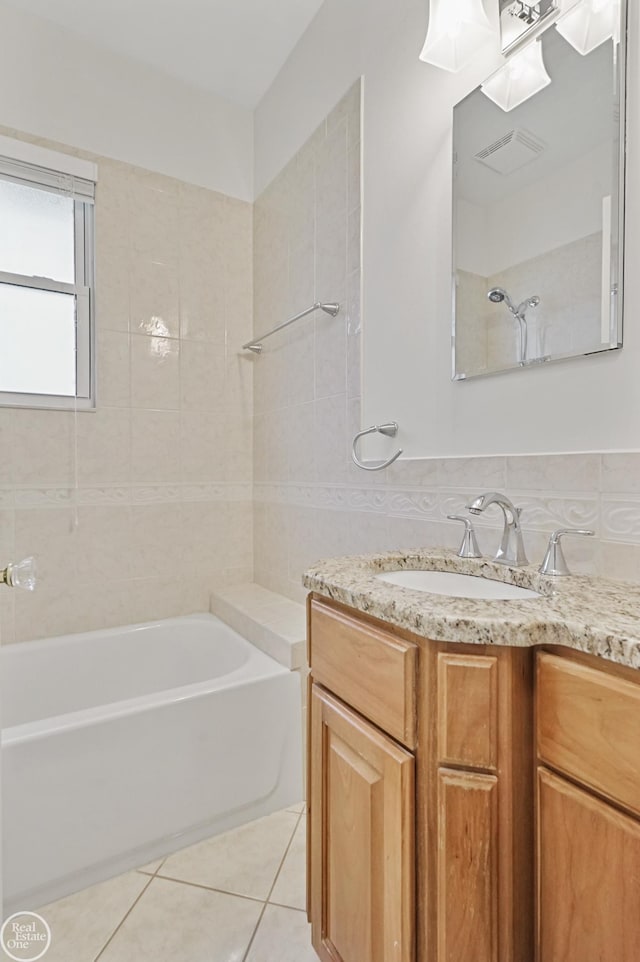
(271, 622)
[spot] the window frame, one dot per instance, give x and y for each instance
(57, 175)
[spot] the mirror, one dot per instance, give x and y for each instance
(538, 210)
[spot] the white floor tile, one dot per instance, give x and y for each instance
(290, 887)
(283, 936)
(300, 807)
(180, 923)
(81, 924)
(244, 861)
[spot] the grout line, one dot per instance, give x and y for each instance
(273, 885)
(281, 905)
(208, 888)
(122, 921)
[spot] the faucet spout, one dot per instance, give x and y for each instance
(511, 550)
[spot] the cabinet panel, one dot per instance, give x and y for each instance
(467, 867)
(588, 877)
(589, 727)
(362, 847)
(468, 710)
(372, 670)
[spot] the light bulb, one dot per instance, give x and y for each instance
(457, 32)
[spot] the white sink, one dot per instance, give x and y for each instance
(457, 586)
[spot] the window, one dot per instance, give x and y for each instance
(46, 278)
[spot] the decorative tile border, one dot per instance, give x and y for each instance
(621, 520)
(538, 510)
(56, 497)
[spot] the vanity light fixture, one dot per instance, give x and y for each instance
(589, 23)
(523, 75)
(523, 19)
(457, 32)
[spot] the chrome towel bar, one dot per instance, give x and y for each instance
(256, 344)
(390, 430)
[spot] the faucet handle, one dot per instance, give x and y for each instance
(554, 560)
(20, 575)
(469, 547)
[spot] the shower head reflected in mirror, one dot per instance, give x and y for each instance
(497, 295)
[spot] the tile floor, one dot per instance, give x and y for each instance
(237, 897)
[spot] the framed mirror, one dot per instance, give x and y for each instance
(538, 225)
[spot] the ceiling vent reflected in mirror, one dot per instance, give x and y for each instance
(515, 150)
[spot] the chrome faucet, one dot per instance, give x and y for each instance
(511, 550)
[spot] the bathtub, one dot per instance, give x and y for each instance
(123, 745)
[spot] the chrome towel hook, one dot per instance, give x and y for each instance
(390, 430)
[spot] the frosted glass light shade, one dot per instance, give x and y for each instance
(457, 31)
(523, 75)
(589, 23)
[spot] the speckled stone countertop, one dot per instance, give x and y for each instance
(591, 615)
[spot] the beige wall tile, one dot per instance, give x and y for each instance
(202, 376)
(113, 374)
(621, 473)
(203, 447)
(155, 373)
(157, 540)
(102, 543)
(104, 446)
(43, 447)
(7, 445)
(173, 261)
(561, 472)
(155, 446)
(154, 297)
(113, 307)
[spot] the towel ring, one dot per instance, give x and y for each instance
(390, 430)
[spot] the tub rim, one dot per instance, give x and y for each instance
(257, 667)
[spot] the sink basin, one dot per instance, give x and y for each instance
(455, 585)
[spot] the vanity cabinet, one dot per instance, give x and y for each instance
(588, 811)
(420, 843)
(469, 803)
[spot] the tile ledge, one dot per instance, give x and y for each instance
(270, 621)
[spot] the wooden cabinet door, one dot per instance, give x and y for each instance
(362, 845)
(588, 877)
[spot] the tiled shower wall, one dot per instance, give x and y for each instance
(310, 500)
(161, 473)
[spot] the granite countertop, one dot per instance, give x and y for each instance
(591, 615)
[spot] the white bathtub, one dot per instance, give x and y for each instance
(123, 745)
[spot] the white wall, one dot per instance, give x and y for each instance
(61, 87)
(589, 404)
